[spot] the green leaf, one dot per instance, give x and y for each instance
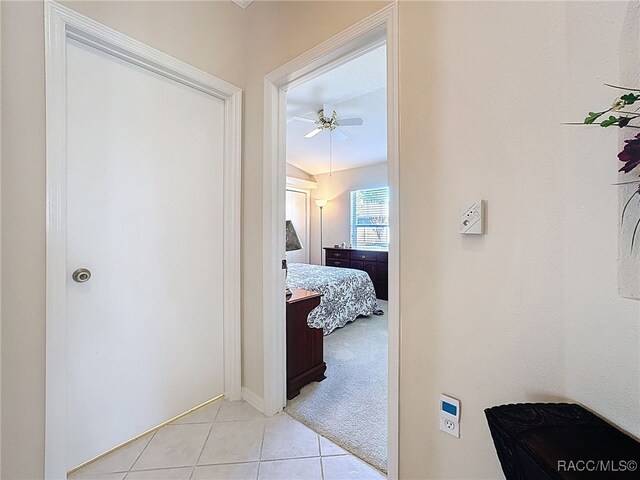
(630, 98)
(609, 121)
(593, 116)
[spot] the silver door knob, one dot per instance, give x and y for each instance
(81, 275)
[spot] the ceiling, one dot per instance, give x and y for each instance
(355, 89)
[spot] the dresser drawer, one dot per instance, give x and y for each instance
(364, 256)
(372, 269)
(333, 262)
(338, 254)
(357, 265)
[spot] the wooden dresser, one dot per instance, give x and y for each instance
(374, 262)
(305, 362)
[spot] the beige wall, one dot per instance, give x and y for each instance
(336, 188)
(207, 35)
(601, 330)
(527, 312)
(23, 224)
(295, 172)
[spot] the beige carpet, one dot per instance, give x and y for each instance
(350, 406)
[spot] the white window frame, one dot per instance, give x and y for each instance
(353, 232)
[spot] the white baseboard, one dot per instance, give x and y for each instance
(253, 399)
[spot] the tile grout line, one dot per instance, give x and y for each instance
(320, 457)
(193, 471)
(156, 468)
(264, 432)
(141, 452)
(206, 440)
(306, 457)
(203, 446)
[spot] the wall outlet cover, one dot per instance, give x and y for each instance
(450, 427)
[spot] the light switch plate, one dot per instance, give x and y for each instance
(472, 218)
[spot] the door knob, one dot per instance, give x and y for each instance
(81, 275)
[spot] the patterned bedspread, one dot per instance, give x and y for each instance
(347, 293)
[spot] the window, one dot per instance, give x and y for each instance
(370, 218)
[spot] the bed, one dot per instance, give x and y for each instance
(346, 292)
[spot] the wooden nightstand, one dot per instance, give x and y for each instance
(305, 361)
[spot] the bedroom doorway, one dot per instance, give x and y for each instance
(331, 122)
(337, 352)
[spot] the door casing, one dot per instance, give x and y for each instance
(373, 31)
(62, 23)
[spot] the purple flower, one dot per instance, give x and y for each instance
(630, 155)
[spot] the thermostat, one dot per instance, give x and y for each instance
(472, 218)
(450, 415)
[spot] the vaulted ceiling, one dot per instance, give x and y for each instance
(355, 89)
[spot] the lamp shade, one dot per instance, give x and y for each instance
(321, 203)
(292, 239)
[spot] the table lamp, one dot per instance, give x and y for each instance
(292, 244)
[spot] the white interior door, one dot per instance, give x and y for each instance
(145, 216)
(297, 212)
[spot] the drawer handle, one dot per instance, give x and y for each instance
(338, 254)
(363, 256)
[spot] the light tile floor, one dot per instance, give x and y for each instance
(230, 441)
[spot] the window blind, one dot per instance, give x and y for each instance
(370, 218)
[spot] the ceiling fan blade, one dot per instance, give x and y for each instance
(339, 134)
(302, 119)
(313, 133)
(327, 110)
(350, 122)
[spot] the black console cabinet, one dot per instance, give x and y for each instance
(541, 441)
(374, 262)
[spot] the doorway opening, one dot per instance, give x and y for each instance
(346, 87)
(337, 141)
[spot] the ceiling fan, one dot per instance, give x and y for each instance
(330, 122)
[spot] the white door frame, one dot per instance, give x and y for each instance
(62, 23)
(367, 34)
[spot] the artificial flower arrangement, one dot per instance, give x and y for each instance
(630, 155)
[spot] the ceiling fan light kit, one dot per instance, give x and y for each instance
(330, 122)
